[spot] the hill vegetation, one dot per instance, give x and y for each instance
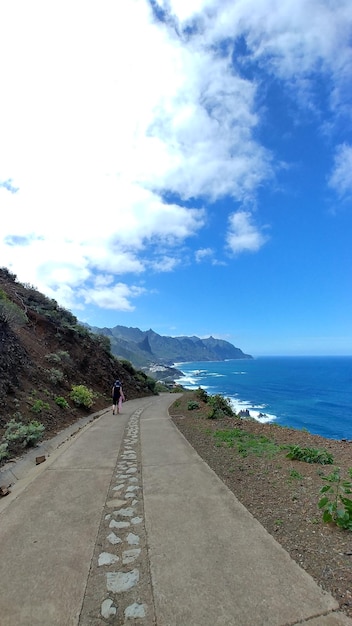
(53, 370)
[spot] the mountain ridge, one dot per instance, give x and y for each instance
(146, 348)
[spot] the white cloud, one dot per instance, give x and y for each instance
(117, 297)
(105, 112)
(165, 264)
(341, 176)
(292, 39)
(203, 254)
(243, 235)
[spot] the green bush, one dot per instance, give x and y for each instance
(177, 389)
(55, 376)
(151, 384)
(61, 402)
(35, 431)
(202, 395)
(15, 432)
(64, 356)
(82, 396)
(53, 357)
(103, 341)
(11, 313)
(334, 504)
(24, 434)
(127, 365)
(38, 406)
(310, 455)
(192, 405)
(219, 407)
(4, 453)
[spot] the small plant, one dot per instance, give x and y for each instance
(53, 357)
(38, 406)
(310, 455)
(202, 395)
(61, 402)
(82, 396)
(55, 376)
(295, 474)
(336, 507)
(192, 405)
(4, 451)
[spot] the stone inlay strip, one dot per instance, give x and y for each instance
(119, 588)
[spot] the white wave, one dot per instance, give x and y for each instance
(241, 405)
(186, 380)
(191, 380)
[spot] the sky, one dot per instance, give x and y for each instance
(183, 165)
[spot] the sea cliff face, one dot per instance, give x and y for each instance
(145, 348)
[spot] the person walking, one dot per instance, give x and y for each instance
(117, 397)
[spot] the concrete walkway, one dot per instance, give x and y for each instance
(125, 524)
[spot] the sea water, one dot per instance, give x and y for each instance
(314, 393)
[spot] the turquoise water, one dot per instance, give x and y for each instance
(303, 392)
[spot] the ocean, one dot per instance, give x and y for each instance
(314, 393)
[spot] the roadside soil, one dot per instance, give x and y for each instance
(282, 494)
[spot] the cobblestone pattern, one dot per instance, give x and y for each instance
(119, 588)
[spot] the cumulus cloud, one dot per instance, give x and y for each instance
(243, 235)
(117, 297)
(116, 125)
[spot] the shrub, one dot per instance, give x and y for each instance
(336, 507)
(202, 395)
(61, 402)
(103, 341)
(38, 406)
(64, 356)
(310, 455)
(53, 357)
(151, 384)
(82, 396)
(127, 365)
(15, 432)
(4, 451)
(24, 434)
(192, 405)
(11, 313)
(55, 376)
(34, 432)
(220, 407)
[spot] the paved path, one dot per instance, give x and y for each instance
(125, 524)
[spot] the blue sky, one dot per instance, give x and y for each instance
(183, 165)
